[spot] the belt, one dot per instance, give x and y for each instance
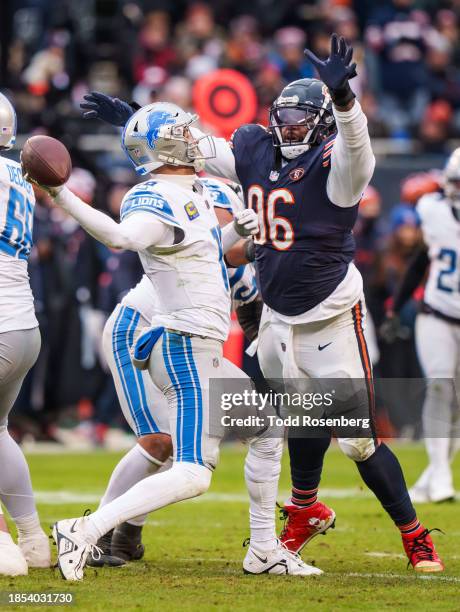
(426, 309)
(189, 334)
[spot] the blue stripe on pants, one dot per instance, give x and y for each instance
(131, 380)
(181, 368)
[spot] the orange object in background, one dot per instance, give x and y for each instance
(225, 99)
(234, 346)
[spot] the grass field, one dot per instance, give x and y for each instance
(194, 549)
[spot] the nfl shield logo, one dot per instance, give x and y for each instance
(274, 176)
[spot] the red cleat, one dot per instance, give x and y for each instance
(421, 552)
(303, 524)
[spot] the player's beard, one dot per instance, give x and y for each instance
(293, 151)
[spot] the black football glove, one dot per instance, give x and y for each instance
(391, 329)
(336, 70)
(249, 316)
(111, 110)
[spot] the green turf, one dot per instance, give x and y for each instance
(194, 549)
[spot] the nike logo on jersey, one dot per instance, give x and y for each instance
(72, 529)
(321, 348)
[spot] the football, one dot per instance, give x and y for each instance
(46, 160)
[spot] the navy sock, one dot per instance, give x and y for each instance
(384, 477)
(306, 456)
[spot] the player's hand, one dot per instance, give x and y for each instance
(52, 191)
(111, 110)
(390, 329)
(246, 223)
(336, 70)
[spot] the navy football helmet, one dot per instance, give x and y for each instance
(304, 103)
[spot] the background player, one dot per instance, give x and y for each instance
(170, 222)
(19, 343)
(437, 330)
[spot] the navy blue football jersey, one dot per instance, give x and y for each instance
(305, 242)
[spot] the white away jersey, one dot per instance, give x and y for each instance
(17, 204)
(242, 280)
(189, 278)
(441, 232)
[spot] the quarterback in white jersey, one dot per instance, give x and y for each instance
(19, 348)
(142, 402)
(182, 351)
(437, 330)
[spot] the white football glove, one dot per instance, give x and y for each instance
(246, 222)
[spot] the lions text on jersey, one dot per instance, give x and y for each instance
(189, 277)
(17, 203)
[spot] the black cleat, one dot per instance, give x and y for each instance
(127, 542)
(106, 559)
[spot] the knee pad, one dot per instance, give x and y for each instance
(358, 449)
(195, 478)
(263, 461)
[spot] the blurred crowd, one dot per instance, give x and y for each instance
(408, 54)
(55, 51)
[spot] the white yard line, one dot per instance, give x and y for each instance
(63, 496)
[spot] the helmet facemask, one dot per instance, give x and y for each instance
(286, 117)
(160, 135)
(181, 148)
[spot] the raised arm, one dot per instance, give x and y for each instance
(135, 233)
(352, 160)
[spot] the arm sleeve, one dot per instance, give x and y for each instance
(220, 161)
(412, 278)
(352, 159)
(135, 233)
(229, 237)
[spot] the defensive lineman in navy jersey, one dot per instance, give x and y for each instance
(305, 176)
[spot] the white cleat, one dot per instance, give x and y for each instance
(36, 549)
(73, 547)
(441, 487)
(279, 561)
(12, 561)
(419, 493)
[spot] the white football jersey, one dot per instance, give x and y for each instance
(17, 204)
(143, 297)
(441, 232)
(189, 279)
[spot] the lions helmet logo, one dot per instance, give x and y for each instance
(155, 121)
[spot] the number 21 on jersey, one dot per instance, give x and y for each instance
(273, 229)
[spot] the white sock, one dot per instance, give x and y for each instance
(28, 526)
(437, 422)
(15, 485)
(139, 521)
(182, 481)
(261, 470)
(136, 465)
